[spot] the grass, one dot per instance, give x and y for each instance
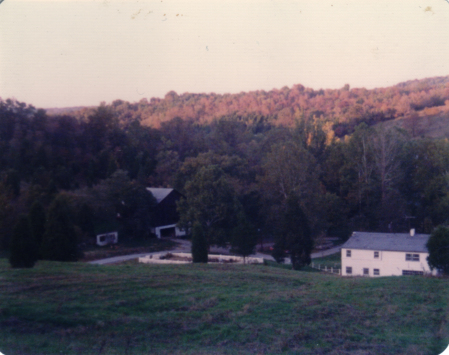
(76, 308)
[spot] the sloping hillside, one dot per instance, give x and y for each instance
(202, 309)
(426, 124)
(344, 107)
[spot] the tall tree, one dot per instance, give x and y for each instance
(211, 201)
(59, 242)
(294, 235)
(199, 244)
(386, 147)
(244, 238)
(37, 219)
(438, 247)
(290, 169)
(24, 247)
(357, 172)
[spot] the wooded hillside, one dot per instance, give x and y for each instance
(380, 178)
(344, 108)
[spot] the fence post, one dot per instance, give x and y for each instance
(332, 270)
(325, 268)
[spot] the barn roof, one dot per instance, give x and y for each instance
(388, 241)
(159, 193)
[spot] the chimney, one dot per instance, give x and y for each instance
(412, 232)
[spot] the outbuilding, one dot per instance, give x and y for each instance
(385, 254)
(166, 214)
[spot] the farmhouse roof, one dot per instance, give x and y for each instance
(159, 193)
(388, 241)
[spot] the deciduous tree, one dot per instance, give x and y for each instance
(211, 201)
(244, 238)
(59, 242)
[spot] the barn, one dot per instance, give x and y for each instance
(166, 215)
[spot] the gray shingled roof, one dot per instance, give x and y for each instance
(159, 193)
(388, 241)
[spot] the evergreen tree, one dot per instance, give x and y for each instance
(438, 247)
(199, 244)
(244, 237)
(24, 248)
(59, 242)
(294, 235)
(37, 219)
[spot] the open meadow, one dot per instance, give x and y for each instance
(76, 308)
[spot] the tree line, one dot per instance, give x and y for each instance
(235, 173)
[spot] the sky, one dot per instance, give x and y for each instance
(60, 53)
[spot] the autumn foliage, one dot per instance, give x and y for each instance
(344, 108)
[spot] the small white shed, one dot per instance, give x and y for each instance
(107, 238)
(385, 254)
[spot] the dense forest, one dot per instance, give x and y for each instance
(328, 148)
(343, 109)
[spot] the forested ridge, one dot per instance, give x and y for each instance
(342, 108)
(346, 172)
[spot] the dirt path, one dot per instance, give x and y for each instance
(184, 246)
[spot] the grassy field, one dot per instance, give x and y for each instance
(76, 308)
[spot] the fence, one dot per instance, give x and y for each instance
(325, 268)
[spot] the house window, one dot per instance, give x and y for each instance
(348, 253)
(412, 272)
(348, 270)
(376, 255)
(411, 257)
(376, 272)
(365, 271)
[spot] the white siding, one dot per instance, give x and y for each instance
(178, 232)
(389, 263)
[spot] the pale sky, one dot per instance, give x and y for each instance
(60, 53)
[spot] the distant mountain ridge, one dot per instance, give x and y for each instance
(344, 108)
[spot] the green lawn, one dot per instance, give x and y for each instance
(76, 308)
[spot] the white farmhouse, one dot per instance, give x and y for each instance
(385, 254)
